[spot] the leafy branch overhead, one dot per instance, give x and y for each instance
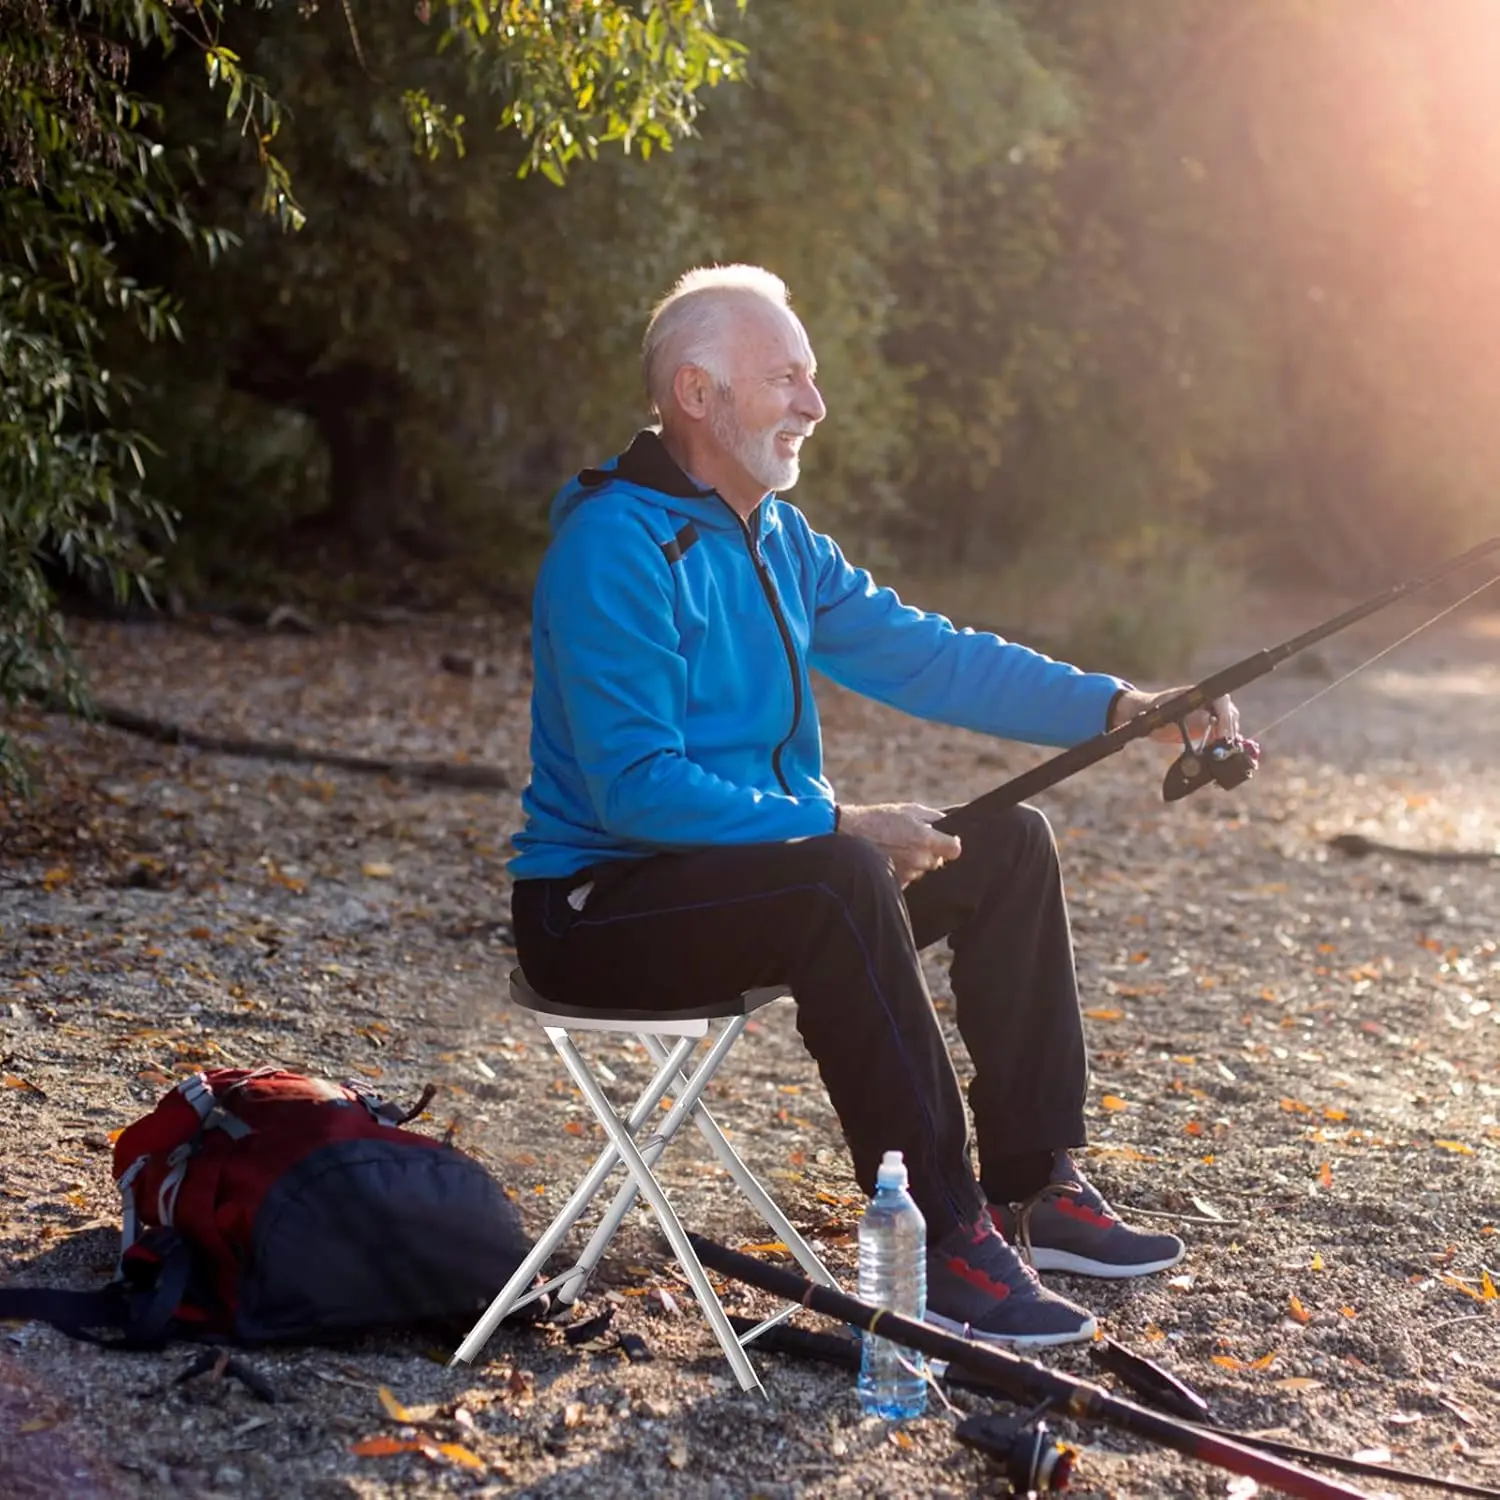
(97, 160)
(573, 78)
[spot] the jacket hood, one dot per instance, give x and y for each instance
(646, 467)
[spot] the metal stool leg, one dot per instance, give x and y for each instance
(750, 1186)
(518, 1291)
(686, 1088)
(769, 1209)
(666, 1216)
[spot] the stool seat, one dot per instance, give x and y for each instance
(616, 1018)
(685, 1086)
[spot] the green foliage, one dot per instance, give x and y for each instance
(84, 169)
(1093, 287)
(465, 335)
(112, 141)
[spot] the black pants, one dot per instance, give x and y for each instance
(827, 918)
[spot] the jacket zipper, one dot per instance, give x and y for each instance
(769, 588)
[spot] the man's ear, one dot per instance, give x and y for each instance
(693, 387)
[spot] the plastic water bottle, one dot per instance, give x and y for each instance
(892, 1274)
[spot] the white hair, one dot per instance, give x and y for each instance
(689, 324)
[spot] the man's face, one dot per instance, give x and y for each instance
(771, 405)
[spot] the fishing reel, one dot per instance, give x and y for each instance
(1031, 1459)
(1227, 762)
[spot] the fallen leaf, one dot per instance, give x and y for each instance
(767, 1247)
(1295, 1307)
(1348, 1311)
(382, 1446)
(1103, 1013)
(1113, 1101)
(901, 1439)
(1465, 1414)
(1486, 1291)
(377, 869)
(393, 1408)
(1264, 1362)
(1229, 1361)
(1298, 1383)
(1458, 1146)
(457, 1453)
(38, 1424)
(1316, 1263)
(1325, 1174)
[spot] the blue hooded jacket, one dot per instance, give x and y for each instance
(671, 706)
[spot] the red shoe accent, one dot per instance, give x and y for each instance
(977, 1278)
(1070, 1206)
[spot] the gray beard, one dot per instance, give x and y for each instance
(754, 452)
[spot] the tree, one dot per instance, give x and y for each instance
(446, 340)
(1245, 290)
(92, 166)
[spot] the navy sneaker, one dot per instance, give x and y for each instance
(979, 1287)
(1069, 1227)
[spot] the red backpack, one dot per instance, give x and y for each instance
(263, 1205)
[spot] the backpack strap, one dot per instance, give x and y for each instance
(212, 1115)
(137, 1311)
(130, 1219)
(382, 1110)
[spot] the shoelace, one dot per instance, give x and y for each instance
(1024, 1210)
(1022, 1260)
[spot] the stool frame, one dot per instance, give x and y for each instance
(685, 1085)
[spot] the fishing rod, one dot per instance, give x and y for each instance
(1227, 762)
(1025, 1381)
(1001, 1438)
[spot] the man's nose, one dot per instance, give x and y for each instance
(810, 402)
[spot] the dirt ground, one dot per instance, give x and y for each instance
(1295, 1065)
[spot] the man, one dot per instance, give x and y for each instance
(681, 843)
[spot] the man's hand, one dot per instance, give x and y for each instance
(1221, 714)
(902, 830)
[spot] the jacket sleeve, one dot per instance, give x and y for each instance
(865, 638)
(607, 607)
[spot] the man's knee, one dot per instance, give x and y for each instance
(1020, 834)
(1032, 829)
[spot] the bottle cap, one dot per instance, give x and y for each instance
(892, 1171)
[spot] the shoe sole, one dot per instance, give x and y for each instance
(1084, 1333)
(1044, 1259)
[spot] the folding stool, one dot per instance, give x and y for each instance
(685, 1086)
